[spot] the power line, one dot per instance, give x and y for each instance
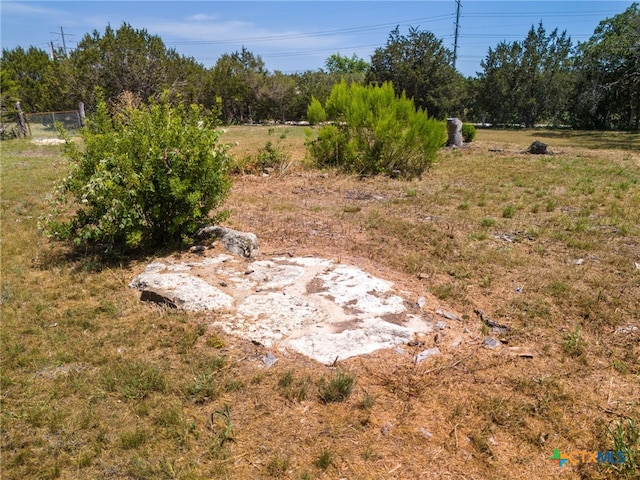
(64, 43)
(321, 33)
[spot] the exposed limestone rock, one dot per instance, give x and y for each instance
(321, 309)
(244, 244)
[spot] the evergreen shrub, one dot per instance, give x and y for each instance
(468, 132)
(374, 132)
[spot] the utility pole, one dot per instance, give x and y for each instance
(64, 42)
(455, 42)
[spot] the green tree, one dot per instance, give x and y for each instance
(279, 92)
(352, 69)
(374, 132)
(419, 65)
(131, 60)
(146, 176)
(25, 71)
(524, 82)
(238, 79)
(310, 84)
(608, 90)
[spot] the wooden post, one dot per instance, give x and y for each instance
(81, 114)
(22, 124)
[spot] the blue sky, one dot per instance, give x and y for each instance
(293, 36)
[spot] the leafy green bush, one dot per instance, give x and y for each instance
(146, 176)
(268, 157)
(468, 132)
(374, 132)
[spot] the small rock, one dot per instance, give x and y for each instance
(491, 342)
(448, 315)
(269, 360)
(386, 428)
(426, 433)
(519, 352)
(423, 276)
(244, 244)
(421, 301)
(626, 330)
(437, 339)
(580, 261)
(489, 322)
(429, 352)
(441, 325)
(197, 249)
(637, 265)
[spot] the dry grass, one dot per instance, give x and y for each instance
(97, 385)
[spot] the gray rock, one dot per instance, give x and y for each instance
(538, 148)
(429, 352)
(269, 360)
(491, 342)
(489, 322)
(454, 126)
(627, 330)
(244, 244)
(448, 315)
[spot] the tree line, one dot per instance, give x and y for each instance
(544, 78)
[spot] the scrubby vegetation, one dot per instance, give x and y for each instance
(374, 132)
(543, 78)
(145, 175)
(96, 384)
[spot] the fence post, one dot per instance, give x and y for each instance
(81, 113)
(22, 124)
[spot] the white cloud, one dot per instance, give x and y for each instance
(240, 32)
(25, 9)
(201, 17)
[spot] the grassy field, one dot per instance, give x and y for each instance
(96, 384)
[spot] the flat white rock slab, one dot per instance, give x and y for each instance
(324, 310)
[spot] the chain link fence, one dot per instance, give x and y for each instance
(14, 123)
(43, 125)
